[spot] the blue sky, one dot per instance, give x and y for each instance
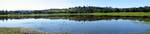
(46, 4)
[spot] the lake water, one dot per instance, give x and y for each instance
(74, 26)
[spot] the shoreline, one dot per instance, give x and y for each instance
(6, 30)
(95, 14)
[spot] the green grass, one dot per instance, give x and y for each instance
(4, 30)
(97, 14)
(19, 31)
(125, 14)
(29, 31)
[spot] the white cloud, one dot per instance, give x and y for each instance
(32, 4)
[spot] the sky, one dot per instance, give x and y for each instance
(48, 4)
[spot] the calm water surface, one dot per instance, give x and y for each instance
(74, 26)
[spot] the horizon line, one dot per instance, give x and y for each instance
(69, 7)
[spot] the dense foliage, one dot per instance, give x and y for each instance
(84, 9)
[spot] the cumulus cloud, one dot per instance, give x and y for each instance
(32, 4)
(47, 4)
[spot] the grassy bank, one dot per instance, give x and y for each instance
(125, 14)
(97, 14)
(28, 31)
(18, 31)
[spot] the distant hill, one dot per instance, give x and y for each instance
(83, 9)
(89, 9)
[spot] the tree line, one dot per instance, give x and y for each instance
(79, 9)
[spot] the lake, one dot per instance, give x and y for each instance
(81, 24)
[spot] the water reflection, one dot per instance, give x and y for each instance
(74, 25)
(79, 17)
